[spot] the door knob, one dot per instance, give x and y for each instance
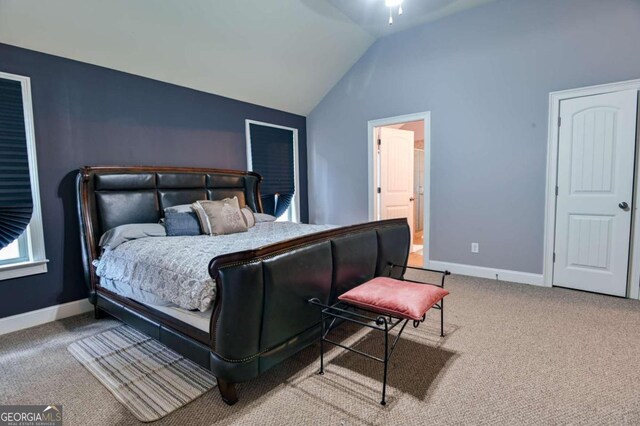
(623, 205)
(412, 198)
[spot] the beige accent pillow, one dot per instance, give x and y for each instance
(249, 218)
(220, 217)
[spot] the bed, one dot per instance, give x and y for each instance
(259, 314)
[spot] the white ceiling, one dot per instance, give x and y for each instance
(373, 16)
(284, 54)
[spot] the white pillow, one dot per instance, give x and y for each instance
(132, 231)
(262, 217)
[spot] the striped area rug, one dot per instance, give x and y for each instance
(148, 378)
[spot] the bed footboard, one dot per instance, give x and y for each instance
(261, 315)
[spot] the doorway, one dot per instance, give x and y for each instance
(593, 207)
(399, 174)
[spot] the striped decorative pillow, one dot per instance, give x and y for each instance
(249, 217)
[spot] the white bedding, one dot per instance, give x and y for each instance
(175, 269)
(196, 319)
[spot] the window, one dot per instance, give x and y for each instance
(16, 251)
(272, 151)
(21, 237)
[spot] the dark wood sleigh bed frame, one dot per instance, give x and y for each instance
(261, 315)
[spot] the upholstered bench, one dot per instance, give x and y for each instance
(394, 301)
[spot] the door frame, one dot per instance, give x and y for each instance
(425, 116)
(555, 98)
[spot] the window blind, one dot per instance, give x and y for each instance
(16, 204)
(272, 157)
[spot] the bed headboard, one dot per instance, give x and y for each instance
(112, 196)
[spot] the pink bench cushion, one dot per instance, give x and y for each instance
(394, 297)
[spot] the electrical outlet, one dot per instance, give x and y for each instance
(475, 248)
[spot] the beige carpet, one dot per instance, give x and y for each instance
(515, 354)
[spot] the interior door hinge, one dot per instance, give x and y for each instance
(379, 190)
(554, 258)
(559, 121)
(557, 190)
(379, 141)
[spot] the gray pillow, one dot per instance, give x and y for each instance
(123, 233)
(181, 224)
(180, 208)
(262, 217)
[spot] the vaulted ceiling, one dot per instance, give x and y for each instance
(373, 17)
(284, 54)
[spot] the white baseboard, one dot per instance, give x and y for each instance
(482, 272)
(43, 316)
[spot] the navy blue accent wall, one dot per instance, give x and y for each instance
(89, 115)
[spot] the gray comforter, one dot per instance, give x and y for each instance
(175, 269)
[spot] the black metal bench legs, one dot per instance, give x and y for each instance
(442, 318)
(227, 392)
(343, 312)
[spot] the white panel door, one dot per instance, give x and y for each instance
(396, 174)
(596, 151)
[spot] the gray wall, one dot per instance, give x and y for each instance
(485, 75)
(88, 115)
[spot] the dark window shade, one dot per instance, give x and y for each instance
(16, 204)
(272, 157)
